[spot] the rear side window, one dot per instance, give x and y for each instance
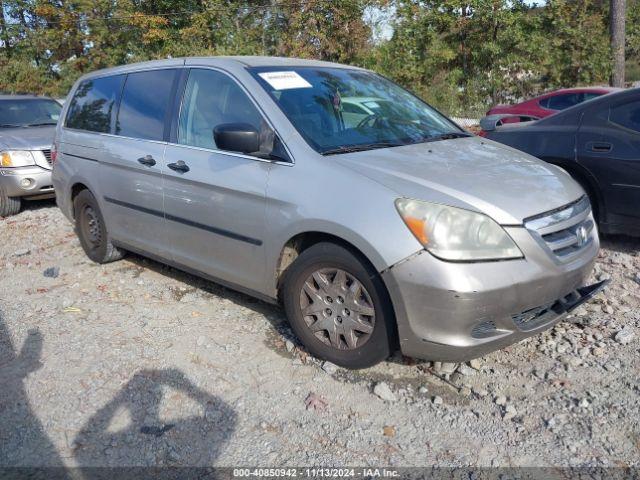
(93, 104)
(146, 99)
(560, 102)
(627, 116)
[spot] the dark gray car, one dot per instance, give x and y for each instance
(27, 126)
(598, 143)
(385, 227)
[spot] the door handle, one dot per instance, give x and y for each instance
(147, 160)
(601, 147)
(179, 166)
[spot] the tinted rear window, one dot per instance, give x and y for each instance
(93, 104)
(146, 99)
(627, 115)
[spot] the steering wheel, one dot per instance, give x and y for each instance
(368, 119)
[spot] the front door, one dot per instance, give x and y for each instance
(214, 200)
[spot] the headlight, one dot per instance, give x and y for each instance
(456, 234)
(16, 158)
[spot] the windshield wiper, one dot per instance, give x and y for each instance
(360, 148)
(10, 125)
(446, 136)
(39, 124)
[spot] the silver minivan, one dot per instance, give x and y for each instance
(372, 218)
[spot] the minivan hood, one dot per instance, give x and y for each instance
(473, 173)
(27, 138)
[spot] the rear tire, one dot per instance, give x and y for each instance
(92, 231)
(338, 307)
(9, 205)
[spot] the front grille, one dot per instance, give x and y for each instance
(47, 155)
(566, 231)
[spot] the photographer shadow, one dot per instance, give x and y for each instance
(24, 444)
(129, 431)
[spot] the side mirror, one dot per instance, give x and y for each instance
(237, 137)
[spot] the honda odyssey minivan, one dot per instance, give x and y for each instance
(385, 228)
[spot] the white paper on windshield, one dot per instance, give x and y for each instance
(284, 80)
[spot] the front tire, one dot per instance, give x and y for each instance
(9, 205)
(92, 231)
(338, 307)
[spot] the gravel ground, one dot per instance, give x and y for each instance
(134, 363)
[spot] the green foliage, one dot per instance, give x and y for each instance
(578, 50)
(462, 56)
(633, 40)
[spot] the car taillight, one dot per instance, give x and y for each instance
(54, 153)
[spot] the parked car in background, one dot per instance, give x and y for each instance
(27, 126)
(550, 103)
(598, 143)
(396, 227)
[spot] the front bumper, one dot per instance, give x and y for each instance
(457, 311)
(13, 182)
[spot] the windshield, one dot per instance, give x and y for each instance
(339, 110)
(28, 112)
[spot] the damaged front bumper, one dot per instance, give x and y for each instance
(458, 311)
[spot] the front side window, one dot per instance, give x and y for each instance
(212, 99)
(28, 112)
(341, 109)
(146, 99)
(627, 116)
(93, 104)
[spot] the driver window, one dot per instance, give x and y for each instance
(212, 98)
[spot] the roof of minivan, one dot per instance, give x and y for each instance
(221, 61)
(257, 61)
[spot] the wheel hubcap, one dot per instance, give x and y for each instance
(337, 308)
(91, 226)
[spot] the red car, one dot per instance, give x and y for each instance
(552, 102)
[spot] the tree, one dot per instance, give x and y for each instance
(576, 46)
(617, 25)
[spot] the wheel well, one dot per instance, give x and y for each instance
(592, 192)
(75, 190)
(302, 241)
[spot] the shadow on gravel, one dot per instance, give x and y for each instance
(142, 440)
(272, 313)
(129, 431)
(23, 441)
(620, 243)
(38, 204)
